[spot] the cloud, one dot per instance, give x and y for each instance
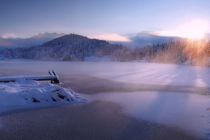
(112, 37)
(9, 35)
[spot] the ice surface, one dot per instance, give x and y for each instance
(189, 112)
(128, 72)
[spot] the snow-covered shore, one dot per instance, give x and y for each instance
(26, 94)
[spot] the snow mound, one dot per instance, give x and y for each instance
(26, 94)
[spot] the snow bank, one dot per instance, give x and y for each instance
(25, 94)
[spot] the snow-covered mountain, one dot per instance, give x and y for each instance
(145, 39)
(66, 48)
(28, 42)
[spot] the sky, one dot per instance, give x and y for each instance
(105, 18)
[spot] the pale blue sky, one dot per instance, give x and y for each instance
(89, 17)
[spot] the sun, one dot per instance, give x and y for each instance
(194, 29)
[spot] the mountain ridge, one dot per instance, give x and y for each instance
(35, 40)
(75, 47)
(70, 47)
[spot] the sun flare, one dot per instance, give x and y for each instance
(196, 29)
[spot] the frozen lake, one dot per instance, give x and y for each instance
(129, 72)
(172, 96)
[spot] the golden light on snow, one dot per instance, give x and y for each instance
(196, 51)
(195, 29)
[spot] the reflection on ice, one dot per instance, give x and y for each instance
(185, 111)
